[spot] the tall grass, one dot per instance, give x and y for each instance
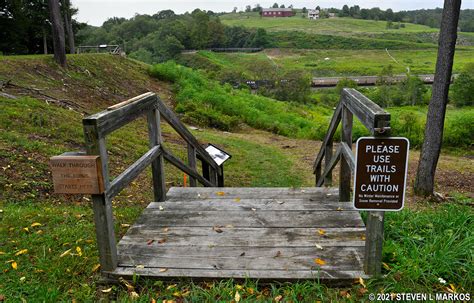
(207, 102)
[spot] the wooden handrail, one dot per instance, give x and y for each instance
(377, 121)
(98, 126)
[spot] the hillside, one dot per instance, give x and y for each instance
(50, 238)
(346, 27)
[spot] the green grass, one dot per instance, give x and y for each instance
(206, 102)
(346, 27)
(420, 247)
(339, 62)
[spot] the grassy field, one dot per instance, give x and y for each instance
(320, 63)
(347, 27)
(47, 242)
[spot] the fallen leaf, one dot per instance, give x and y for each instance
(36, 224)
(21, 252)
(161, 241)
(386, 266)
(2, 298)
(362, 237)
(220, 193)
(250, 290)
(239, 287)
(171, 286)
(319, 246)
(134, 295)
(22, 279)
(361, 291)
(237, 296)
(79, 251)
(254, 209)
(217, 229)
(361, 282)
(153, 300)
(140, 266)
(321, 232)
(125, 225)
(67, 252)
(105, 291)
(161, 208)
(242, 254)
(319, 261)
(95, 268)
(2, 253)
(339, 209)
(127, 284)
(278, 253)
(26, 229)
(237, 199)
(150, 241)
(163, 269)
(278, 298)
(166, 229)
(280, 202)
(14, 265)
(452, 287)
(345, 294)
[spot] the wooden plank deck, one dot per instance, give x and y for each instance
(262, 233)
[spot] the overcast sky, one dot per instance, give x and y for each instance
(96, 12)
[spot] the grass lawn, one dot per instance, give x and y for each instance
(332, 62)
(347, 27)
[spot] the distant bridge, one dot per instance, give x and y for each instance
(367, 80)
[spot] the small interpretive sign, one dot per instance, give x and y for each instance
(75, 173)
(380, 173)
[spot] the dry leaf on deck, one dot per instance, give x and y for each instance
(163, 269)
(150, 241)
(278, 254)
(161, 241)
(321, 232)
(220, 193)
(319, 246)
(217, 229)
(319, 261)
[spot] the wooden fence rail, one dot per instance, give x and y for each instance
(377, 121)
(98, 126)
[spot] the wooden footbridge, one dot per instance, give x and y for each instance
(214, 232)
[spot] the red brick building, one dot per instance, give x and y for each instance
(277, 12)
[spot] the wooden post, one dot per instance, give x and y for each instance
(374, 243)
(205, 170)
(102, 206)
(317, 173)
(192, 163)
(220, 178)
(328, 158)
(213, 176)
(157, 166)
(345, 174)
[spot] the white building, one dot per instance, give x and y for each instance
(313, 14)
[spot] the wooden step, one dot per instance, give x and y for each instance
(262, 233)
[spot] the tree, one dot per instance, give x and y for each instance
(282, 6)
(345, 11)
(275, 5)
(248, 9)
(424, 183)
(462, 92)
(58, 32)
(68, 11)
(234, 11)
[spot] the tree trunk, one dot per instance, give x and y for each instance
(68, 25)
(424, 183)
(45, 42)
(58, 32)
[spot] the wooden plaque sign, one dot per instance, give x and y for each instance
(380, 173)
(75, 173)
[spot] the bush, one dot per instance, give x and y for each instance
(462, 90)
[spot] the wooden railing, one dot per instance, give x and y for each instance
(377, 121)
(98, 126)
